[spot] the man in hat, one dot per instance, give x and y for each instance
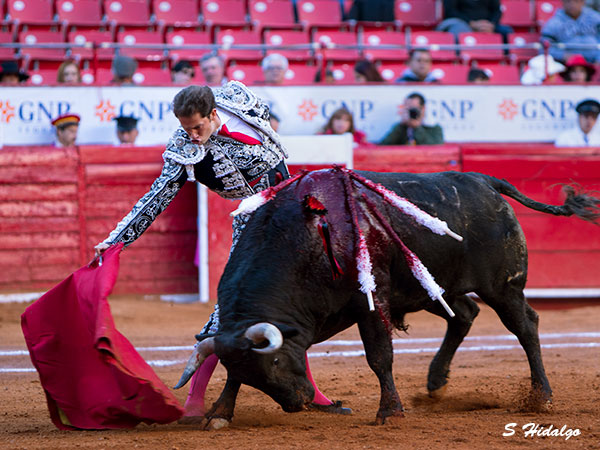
(182, 73)
(584, 135)
(127, 131)
(123, 68)
(10, 75)
(225, 142)
(67, 126)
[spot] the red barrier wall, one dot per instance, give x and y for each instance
(56, 204)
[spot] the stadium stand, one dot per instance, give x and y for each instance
(448, 73)
(132, 37)
(416, 14)
(391, 71)
(320, 14)
(300, 74)
(224, 14)
(93, 37)
(478, 38)
(175, 14)
(272, 14)
(128, 14)
(6, 37)
(187, 37)
(329, 39)
(289, 37)
(229, 37)
(519, 14)
(31, 15)
(80, 14)
(42, 37)
(371, 39)
(434, 39)
(501, 73)
(544, 9)
(246, 73)
(343, 73)
(519, 55)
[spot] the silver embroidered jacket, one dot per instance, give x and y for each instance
(231, 168)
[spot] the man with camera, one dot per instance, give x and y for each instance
(411, 131)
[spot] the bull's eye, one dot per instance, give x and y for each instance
(276, 361)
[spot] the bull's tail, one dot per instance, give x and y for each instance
(577, 203)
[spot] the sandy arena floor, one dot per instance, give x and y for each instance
(486, 387)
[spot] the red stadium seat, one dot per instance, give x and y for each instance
(176, 13)
(102, 76)
(141, 37)
(319, 13)
(41, 77)
(417, 14)
(31, 14)
(188, 37)
(451, 73)
(272, 14)
(432, 40)
(247, 74)
(228, 38)
(152, 76)
(300, 74)
(42, 37)
(544, 9)
(518, 14)
(522, 39)
(375, 38)
(85, 36)
(343, 73)
(80, 13)
(224, 13)
(289, 37)
(329, 39)
(391, 72)
(477, 38)
(129, 13)
(6, 37)
(501, 73)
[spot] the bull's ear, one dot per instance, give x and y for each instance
(286, 330)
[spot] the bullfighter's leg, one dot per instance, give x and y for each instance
(465, 310)
(221, 413)
(194, 404)
(378, 349)
(320, 402)
(520, 318)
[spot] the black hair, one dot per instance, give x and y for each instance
(418, 96)
(192, 100)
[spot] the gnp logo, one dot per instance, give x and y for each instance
(533, 109)
(359, 108)
(146, 111)
(307, 110)
(105, 111)
(7, 111)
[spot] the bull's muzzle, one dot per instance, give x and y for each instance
(202, 350)
(265, 331)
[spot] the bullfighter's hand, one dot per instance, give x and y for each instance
(100, 248)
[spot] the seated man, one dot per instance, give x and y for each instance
(127, 131)
(583, 135)
(573, 24)
(67, 126)
(411, 131)
(274, 67)
(464, 16)
(213, 69)
(419, 68)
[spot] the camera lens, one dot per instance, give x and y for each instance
(414, 113)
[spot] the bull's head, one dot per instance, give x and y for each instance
(260, 358)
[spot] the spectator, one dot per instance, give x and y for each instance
(67, 126)
(127, 131)
(329, 78)
(213, 69)
(365, 71)
(477, 76)
(578, 70)
(573, 24)
(583, 135)
(419, 67)
(182, 72)
(123, 68)
(11, 75)
(372, 10)
(342, 122)
(274, 121)
(541, 70)
(68, 73)
(411, 131)
(274, 67)
(463, 16)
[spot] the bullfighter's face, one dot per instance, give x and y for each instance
(281, 375)
(199, 128)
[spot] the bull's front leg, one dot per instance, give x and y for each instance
(379, 352)
(221, 413)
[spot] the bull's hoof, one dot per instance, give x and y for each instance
(437, 394)
(334, 408)
(392, 418)
(216, 423)
(192, 420)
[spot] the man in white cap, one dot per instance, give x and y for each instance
(584, 134)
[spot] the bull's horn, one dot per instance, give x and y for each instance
(202, 350)
(265, 331)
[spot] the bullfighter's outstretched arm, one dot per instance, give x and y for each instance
(147, 209)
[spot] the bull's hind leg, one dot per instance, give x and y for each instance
(520, 319)
(465, 310)
(379, 352)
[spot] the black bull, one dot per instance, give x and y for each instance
(278, 292)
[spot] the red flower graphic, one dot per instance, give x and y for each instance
(105, 111)
(508, 109)
(307, 110)
(7, 111)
